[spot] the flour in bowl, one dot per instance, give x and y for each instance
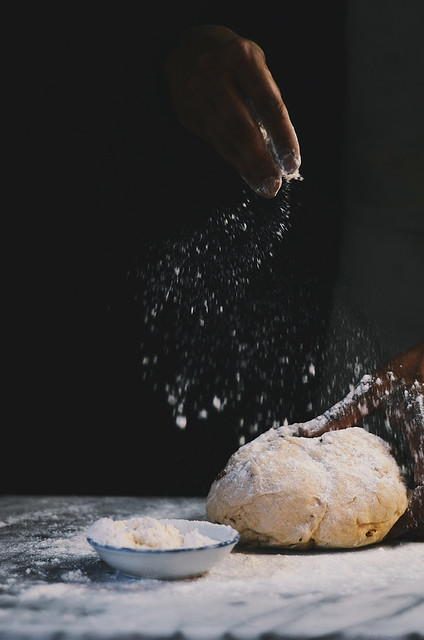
(145, 533)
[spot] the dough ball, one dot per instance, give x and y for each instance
(343, 489)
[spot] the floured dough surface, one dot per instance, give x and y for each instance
(343, 489)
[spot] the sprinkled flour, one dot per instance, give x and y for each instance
(144, 533)
(195, 290)
(225, 328)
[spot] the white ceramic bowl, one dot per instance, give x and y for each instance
(172, 564)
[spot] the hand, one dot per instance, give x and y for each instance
(396, 389)
(223, 91)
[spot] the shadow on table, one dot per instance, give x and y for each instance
(257, 550)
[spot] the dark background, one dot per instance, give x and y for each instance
(108, 181)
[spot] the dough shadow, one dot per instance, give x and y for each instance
(258, 550)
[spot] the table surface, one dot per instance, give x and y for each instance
(53, 585)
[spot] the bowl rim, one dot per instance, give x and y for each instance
(235, 537)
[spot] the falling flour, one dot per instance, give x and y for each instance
(219, 333)
(145, 533)
(229, 336)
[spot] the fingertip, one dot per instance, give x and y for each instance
(313, 428)
(310, 431)
(303, 433)
(269, 187)
(290, 163)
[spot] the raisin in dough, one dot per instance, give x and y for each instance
(343, 489)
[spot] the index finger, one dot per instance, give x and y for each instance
(265, 100)
(346, 413)
(317, 426)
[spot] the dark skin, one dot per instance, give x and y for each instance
(396, 390)
(223, 91)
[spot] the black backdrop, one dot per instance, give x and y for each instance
(108, 181)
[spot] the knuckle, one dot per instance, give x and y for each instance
(229, 58)
(247, 50)
(233, 53)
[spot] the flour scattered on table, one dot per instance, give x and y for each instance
(145, 533)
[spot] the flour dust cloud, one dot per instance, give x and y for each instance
(229, 326)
